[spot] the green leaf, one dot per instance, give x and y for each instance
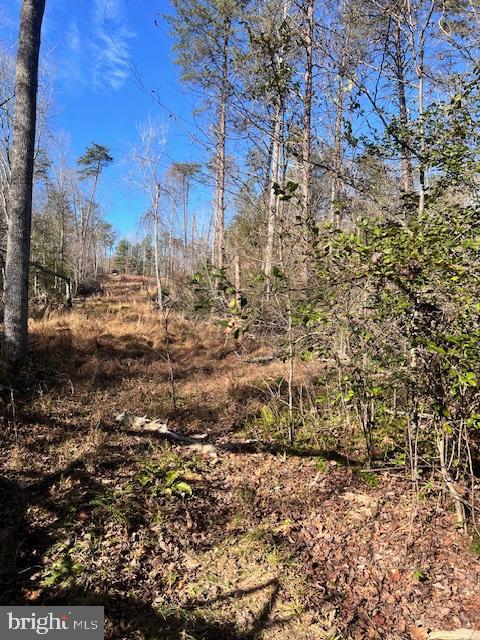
(183, 488)
(469, 378)
(171, 476)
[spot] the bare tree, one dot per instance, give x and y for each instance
(307, 118)
(419, 18)
(21, 181)
(92, 163)
(399, 66)
(147, 157)
(184, 172)
(220, 157)
(7, 94)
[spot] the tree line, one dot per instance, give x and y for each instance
(343, 146)
(346, 139)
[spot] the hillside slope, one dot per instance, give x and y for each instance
(249, 540)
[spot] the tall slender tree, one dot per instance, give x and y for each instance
(184, 172)
(399, 56)
(308, 11)
(147, 157)
(204, 33)
(7, 95)
(21, 181)
(95, 159)
(266, 69)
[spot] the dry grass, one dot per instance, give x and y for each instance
(92, 520)
(112, 353)
(109, 355)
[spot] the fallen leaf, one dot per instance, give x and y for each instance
(32, 596)
(418, 633)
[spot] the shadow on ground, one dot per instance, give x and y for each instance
(23, 545)
(131, 618)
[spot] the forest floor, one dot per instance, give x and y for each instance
(251, 540)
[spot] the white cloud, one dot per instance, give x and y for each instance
(69, 58)
(90, 46)
(109, 10)
(111, 39)
(74, 37)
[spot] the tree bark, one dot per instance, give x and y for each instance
(335, 214)
(273, 200)
(307, 135)
(219, 232)
(406, 161)
(21, 182)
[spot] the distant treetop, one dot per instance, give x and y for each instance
(94, 160)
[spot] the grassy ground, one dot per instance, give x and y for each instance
(258, 540)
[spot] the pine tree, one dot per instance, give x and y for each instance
(204, 35)
(95, 159)
(122, 256)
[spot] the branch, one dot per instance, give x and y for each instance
(50, 272)
(2, 104)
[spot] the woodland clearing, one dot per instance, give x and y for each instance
(258, 540)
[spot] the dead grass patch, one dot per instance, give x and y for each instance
(270, 543)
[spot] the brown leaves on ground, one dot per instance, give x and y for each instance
(256, 543)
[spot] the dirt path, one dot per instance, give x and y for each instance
(255, 542)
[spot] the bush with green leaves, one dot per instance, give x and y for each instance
(413, 325)
(158, 479)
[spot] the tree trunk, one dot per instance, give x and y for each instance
(406, 161)
(156, 249)
(218, 240)
(193, 252)
(335, 214)
(21, 183)
(307, 137)
(307, 118)
(273, 201)
(185, 223)
(417, 34)
(422, 175)
(238, 282)
(86, 223)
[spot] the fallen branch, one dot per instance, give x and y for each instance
(458, 634)
(265, 359)
(398, 467)
(51, 272)
(141, 424)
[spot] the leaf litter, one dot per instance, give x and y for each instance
(183, 536)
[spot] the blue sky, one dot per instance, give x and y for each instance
(98, 50)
